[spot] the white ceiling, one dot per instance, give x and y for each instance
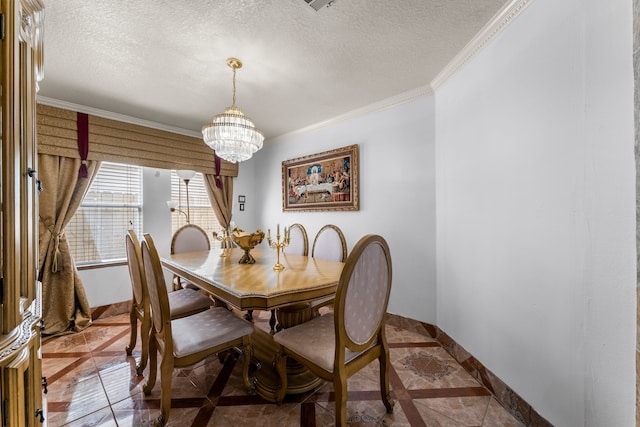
(165, 60)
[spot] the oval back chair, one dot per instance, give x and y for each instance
(298, 241)
(188, 238)
(182, 303)
(337, 345)
(188, 340)
(330, 244)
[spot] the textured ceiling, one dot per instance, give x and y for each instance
(165, 60)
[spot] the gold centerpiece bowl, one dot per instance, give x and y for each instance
(247, 241)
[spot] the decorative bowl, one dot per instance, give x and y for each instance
(247, 241)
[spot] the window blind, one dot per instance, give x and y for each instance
(200, 210)
(112, 205)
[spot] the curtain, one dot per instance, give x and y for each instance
(221, 197)
(65, 305)
(119, 142)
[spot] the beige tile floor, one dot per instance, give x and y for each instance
(91, 382)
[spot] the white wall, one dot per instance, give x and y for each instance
(535, 210)
(396, 194)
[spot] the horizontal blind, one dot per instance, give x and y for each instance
(112, 205)
(200, 209)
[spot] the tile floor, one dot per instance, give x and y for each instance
(91, 382)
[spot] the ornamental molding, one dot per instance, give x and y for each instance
(495, 26)
(384, 104)
(18, 339)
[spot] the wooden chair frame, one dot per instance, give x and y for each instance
(140, 306)
(177, 280)
(375, 347)
(305, 237)
(340, 234)
(161, 338)
(140, 309)
(316, 305)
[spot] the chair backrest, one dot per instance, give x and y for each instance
(363, 293)
(158, 296)
(329, 244)
(190, 238)
(136, 269)
(298, 243)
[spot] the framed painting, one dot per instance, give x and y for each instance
(326, 181)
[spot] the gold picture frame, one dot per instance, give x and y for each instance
(326, 181)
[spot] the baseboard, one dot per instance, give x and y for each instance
(110, 310)
(508, 398)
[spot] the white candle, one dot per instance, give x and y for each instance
(278, 233)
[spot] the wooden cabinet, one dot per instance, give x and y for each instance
(21, 402)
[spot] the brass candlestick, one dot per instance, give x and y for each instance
(278, 245)
(225, 242)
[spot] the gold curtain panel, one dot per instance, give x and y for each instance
(115, 141)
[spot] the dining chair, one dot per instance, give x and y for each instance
(298, 245)
(298, 241)
(188, 238)
(329, 244)
(337, 345)
(184, 302)
(188, 340)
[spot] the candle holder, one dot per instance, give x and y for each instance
(225, 242)
(278, 245)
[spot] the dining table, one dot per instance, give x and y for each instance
(286, 294)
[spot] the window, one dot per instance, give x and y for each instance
(200, 210)
(112, 205)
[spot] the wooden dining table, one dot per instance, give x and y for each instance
(257, 286)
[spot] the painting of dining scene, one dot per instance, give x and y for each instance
(322, 181)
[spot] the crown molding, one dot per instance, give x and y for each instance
(495, 26)
(115, 116)
(401, 98)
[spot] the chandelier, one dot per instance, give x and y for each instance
(232, 135)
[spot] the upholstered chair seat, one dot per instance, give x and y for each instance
(185, 302)
(207, 329)
(319, 338)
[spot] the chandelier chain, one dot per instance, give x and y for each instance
(232, 135)
(233, 103)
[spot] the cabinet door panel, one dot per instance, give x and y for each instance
(28, 176)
